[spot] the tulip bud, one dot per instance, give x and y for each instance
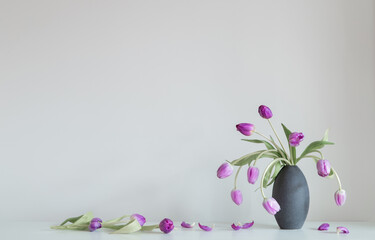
(295, 139)
(225, 170)
(236, 196)
(271, 205)
(95, 224)
(324, 167)
(252, 174)
(141, 219)
(265, 112)
(245, 128)
(340, 197)
(166, 225)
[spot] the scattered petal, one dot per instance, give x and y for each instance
(205, 228)
(323, 227)
(248, 225)
(187, 225)
(236, 227)
(343, 230)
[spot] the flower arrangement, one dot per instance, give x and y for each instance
(281, 157)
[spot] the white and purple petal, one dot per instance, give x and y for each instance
(343, 230)
(248, 225)
(205, 228)
(187, 225)
(236, 227)
(323, 227)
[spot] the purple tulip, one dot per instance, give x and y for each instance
(324, 167)
(236, 227)
(245, 128)
(340, 197)
(343, 230)
(94, 225)
(248, 225)
(252, 174)
(166, 225)
(205, 228)
(187, 225)
(271, 205)
(96, 220)
(323, 227)
(236, 196)
(265, 112)
(225, 170)
(295, 138)
(141, 219)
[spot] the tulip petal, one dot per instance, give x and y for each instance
(236, 227)
(343, 230)
(187, 225)
(248, 225)
(323, 227)
(205, 228)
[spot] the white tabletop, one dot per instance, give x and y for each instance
(41, 231)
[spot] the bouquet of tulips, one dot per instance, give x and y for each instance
(281, 157)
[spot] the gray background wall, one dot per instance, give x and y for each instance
(129, 106)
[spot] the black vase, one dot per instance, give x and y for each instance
(291, 191)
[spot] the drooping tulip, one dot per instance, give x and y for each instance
(166, 225)
(265, 112)
(252, 174)
(236, 196)
(245, 128)
(295, 138)
(323, 227)
(340, 197)
(271, 205)
(324, 167)
(141, 219)
(225, 170)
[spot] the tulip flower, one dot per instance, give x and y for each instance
(323, 227)
(245, 128)
(295, 138)
(340, 197)
(236, 196)
(166, 225)
(324, 167)
(225, 170)
(205, 228)
(271, 205)
(343, 230)
(141, 219)
(95, 224)
(265, 112)
(187, 225)
(96, 220)
(252, 174)
(236, 227)
(248, 225)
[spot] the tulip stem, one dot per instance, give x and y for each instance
(265, 171)
(235, 178)
(337, 177)
(261, 154)
(276, 135)
(277, 147)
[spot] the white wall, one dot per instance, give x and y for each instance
(130, 106)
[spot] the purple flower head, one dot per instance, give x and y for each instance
(205, 228)
(248, 225)
(245, 128)
(166, 225)
(265, 112)
(236, 227)
(141, 219)
(295, 139)
(323, 227)
(94, 225)
(324, 167)
(252, 174)
(96, 220)
(187, 225)
(271, 205)
(225, 170)
(236, 196)
(340, 197)
(343, 230)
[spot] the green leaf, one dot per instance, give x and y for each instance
(325, 138)
(314, 146)
(247, 159)
(115, 220)
(278, 166)
(292, 150)
(86, 218)
(130, 227)
(267, 176)
(71, 220)
(268, 145)
(149, 228)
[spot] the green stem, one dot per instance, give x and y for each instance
(337, 177)
(279, 149)
(276, 135)
(235, 178)
(260, 155)
(265, 171)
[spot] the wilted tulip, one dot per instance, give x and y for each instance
(245, 128)
(265, 112)
(340, 197)
(324, 167)
(141, 219)
(252, 174)
(236, 196)
(271, 205)
(166, 225)
(95, 224)
(295, 138)
(225, 170)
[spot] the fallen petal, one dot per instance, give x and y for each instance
(205, 228)
(248, 225)
(236, 227)
(187, 225)
(343, 230)
(323, 227)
